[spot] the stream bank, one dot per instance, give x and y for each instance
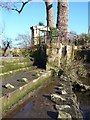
(44, 104)
(84, 103)
(81, 87)
(54, 100)
(39, 104)
(83, 97)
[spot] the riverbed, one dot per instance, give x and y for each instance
(84, 99)
(84, 102)
(39, 104)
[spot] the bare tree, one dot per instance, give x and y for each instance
(73, 37)
(49, 9)
(13, 6)
(6, 44)
(24, 40)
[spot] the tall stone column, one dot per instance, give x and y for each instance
(32, 35)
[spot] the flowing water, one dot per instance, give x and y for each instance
(39, 104)
(84, 100)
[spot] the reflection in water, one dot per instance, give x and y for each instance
(39, 104)
(84, 101)
(26, 109)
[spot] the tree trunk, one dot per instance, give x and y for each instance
(50, 13)
(62, 25)
(62, 21)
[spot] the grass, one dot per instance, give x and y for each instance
(16, 72)
(15, 65)
(10, 66)
(13, 61)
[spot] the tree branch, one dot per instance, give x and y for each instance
(23, 5)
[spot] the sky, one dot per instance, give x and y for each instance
(89, 14)
(12, 23)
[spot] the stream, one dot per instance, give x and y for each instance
(84, 100)
(39, 104)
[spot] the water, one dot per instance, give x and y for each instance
(84, 99)
(84, 102)
(39, 104)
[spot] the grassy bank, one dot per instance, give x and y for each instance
(9, 66)
(15, 72)
(14, 66)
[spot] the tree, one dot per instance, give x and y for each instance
(13, 5)
(83, 38)
(24, 40)
(49, 9)
(41, 24)
(6, 44)
(62, 27)
(62, 20)
(50, 13)
(73, 38)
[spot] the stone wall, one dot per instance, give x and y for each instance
(65, 100)
(83, 54)
(56, 54)
(69, 52)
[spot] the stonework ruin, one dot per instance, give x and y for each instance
(36, 32)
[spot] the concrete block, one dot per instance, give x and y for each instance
(24, 80)
(64, 116)
(9, 86)
(62, 107)
(55, 98)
